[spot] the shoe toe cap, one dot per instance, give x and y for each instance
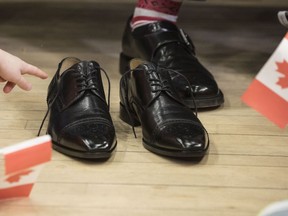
(89, 137)
(184, 137)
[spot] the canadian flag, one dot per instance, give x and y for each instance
(268, 93)
(21, 164)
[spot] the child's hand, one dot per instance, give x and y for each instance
(12, 70)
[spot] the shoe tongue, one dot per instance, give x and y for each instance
(88, 70)
(71, 84)
(150, 67)
(158, 80)
(148, 82)
(151, 71)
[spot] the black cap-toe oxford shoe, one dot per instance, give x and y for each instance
(80, 123)
(164, 44)
(169, 127)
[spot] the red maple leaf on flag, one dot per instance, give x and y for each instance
(283, 69)
(17, 177)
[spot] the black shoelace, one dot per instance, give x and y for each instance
(85, 82)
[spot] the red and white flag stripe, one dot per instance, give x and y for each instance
(144, 16)
(268, 93)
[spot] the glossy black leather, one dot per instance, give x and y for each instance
(169, 127)
(80, 123)
(164, 44)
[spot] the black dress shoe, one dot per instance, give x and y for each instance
(80, 123)
(169, 127)
(164, 44)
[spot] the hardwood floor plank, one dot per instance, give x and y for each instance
(131, 198)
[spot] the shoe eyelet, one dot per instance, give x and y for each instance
(188, 91)
(90, 65)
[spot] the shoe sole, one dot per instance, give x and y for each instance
(211, 102)
(172, 153)
(208, 102)
(133, 121)
(82, 155)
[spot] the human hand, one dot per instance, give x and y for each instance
(12, 70)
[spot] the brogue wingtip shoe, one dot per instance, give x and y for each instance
(80, 123)
(169, 127)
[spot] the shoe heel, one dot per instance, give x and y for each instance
(130, 118)
(124, 63)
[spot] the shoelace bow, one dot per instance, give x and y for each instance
(84, 83)
(159, 87)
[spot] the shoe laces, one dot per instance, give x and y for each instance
(158, 86)
(84, 84)
(162, 85)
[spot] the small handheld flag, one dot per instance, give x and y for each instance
(268, 93)
(20, 166)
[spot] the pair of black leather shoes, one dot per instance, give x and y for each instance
(156, 94)
(80, 123)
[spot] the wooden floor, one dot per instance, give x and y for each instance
(247, 165)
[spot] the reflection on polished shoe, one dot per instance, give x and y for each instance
(169, 127)
(164, 44)
(80, 123)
